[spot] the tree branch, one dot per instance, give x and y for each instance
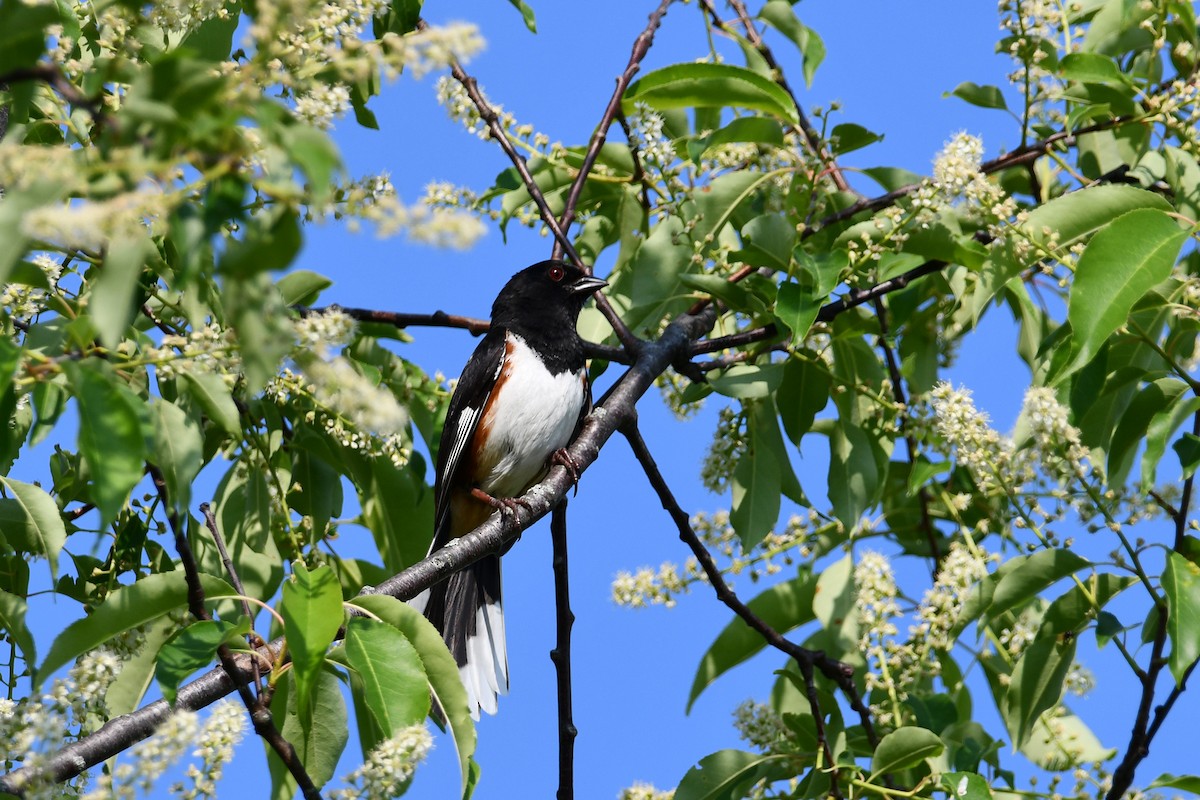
(641, 45)
(260, 715)
(840, 673)
(619, 405)
(489, 116)
(561, 654)
(1143, 730)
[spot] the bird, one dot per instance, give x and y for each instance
(521, 398)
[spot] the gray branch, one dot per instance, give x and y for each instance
(618, 408)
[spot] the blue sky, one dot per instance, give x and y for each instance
(889, 65)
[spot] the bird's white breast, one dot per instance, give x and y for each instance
(532, 416)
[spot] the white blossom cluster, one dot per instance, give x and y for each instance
(959, 179)
(962, 568)
(325, 333)
(91, 225)
(759, 726)
(646, 127)
(185, 15)
(35, 726)
(645, 791)
(374, 200)
(25, 302)
(149, 759)
(390, 766)
(210, 349)
(988, 456)
(1054, 441)
(648, 586)
(222, 732)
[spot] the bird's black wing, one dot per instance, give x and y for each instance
(462, 419)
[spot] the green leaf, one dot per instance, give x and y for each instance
(848, 137)
(215, 398)
(192, 648)
(727, 774)
(710, 86)
(1181, 584)
(397, 508)
(212, 40)
(125, 693)
(113, 302)
(1040, 571)
(440, 668)
(781, 15)
(12, 622)
(982, 96)
(803, 393)
(1186, 783)
(22, 33)
(125, 608)
(734, 295)
(853, 472)
(394, 681)
(1151, 401)
(1036, 685)
(905, 748)
(1071, 611)
(110, 434)
(178, 452)
(966, 786)
(314, 152)
(833, 606)
(16, 205)
(757, 484)
(31, 523)
(302, 287)
(312, 613)
(783, 607)
(526, 14)
(1187, 447)
(318, 745)
(1091, 68)
(1161, 427)
(796, 308)
(1122, 262)
(748, 381)
(1071, 744)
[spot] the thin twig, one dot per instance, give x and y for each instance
(840, 673)
(561, 654)
(899, 395)
(641, 46)
(210, 521)
(492, 119)
(440, 319)
(1143, 730)
(492, 536)
(260, 715)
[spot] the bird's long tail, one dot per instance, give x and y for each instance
(466, 608)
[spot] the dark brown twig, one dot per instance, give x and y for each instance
(496, 533)
(1143, 730)
(260, 715)
(840, 673)
(561, 654)
(641, 46)
(492, 119)
(440, 319)
(210, 521)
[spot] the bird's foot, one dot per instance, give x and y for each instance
(505, 505)
(563, 458)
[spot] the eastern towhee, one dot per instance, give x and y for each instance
(520, 400)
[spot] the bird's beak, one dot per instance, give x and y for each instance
(587, 285)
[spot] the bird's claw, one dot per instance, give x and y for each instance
(505, 505)
(563, 458)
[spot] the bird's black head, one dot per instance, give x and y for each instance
(544, 298)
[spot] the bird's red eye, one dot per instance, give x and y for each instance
(556, 274)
